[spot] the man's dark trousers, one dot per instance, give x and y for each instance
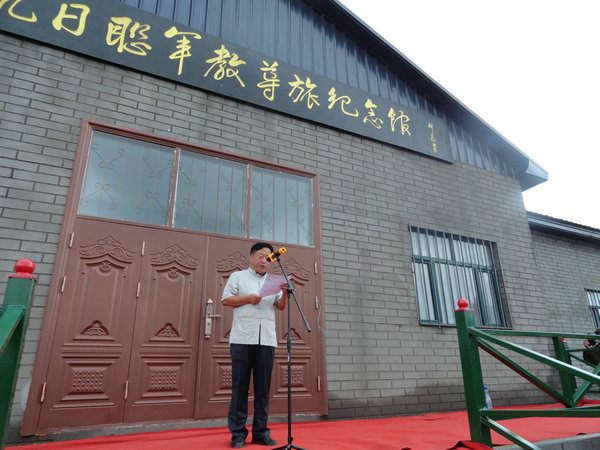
(247, 360)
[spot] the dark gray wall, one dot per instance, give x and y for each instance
(380, 361)
(567, 266)
(325, 38)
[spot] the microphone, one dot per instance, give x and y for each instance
(273, 256)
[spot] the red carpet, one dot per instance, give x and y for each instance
(425, 432)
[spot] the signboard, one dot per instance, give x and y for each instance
(131, 37)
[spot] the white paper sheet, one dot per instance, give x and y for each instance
(272, 285)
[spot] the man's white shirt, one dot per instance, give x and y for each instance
(252, 324)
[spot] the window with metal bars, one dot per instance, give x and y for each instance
(593, 298)
(161, 184)
(448, 267)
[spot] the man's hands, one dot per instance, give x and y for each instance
(253, 299)
(241, 300)
(283, 300)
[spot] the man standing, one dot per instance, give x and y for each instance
(252, 343)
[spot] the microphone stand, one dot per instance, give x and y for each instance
(290, 290)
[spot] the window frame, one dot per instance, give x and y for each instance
(464, 266)
(89, 127)
(593, 295)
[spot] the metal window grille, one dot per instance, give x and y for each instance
(281, 207)
(127, 179)
(447, 267)
(593, 297)
(211, 194)
(135, 180)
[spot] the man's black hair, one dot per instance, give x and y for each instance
(260, 245)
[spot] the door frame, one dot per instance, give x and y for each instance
(33, 408)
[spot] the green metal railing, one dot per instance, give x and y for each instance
(577, 354)
(482, 420)
(14, 318)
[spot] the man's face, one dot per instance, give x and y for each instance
(259, 261)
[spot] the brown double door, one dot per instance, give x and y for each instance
(308, 361)
(135, 339)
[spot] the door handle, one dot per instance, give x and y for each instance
(208, 325)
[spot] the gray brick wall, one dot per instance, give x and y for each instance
(380, 361)
(567, 266)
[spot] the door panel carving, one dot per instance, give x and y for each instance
(162, 376)
(297, 264)
(223, 258)
(129, 343)
(92, 340)
(128, 334)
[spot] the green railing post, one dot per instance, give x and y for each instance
(567, 380)
(481, 420)
(471, 369)
(14, 318)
